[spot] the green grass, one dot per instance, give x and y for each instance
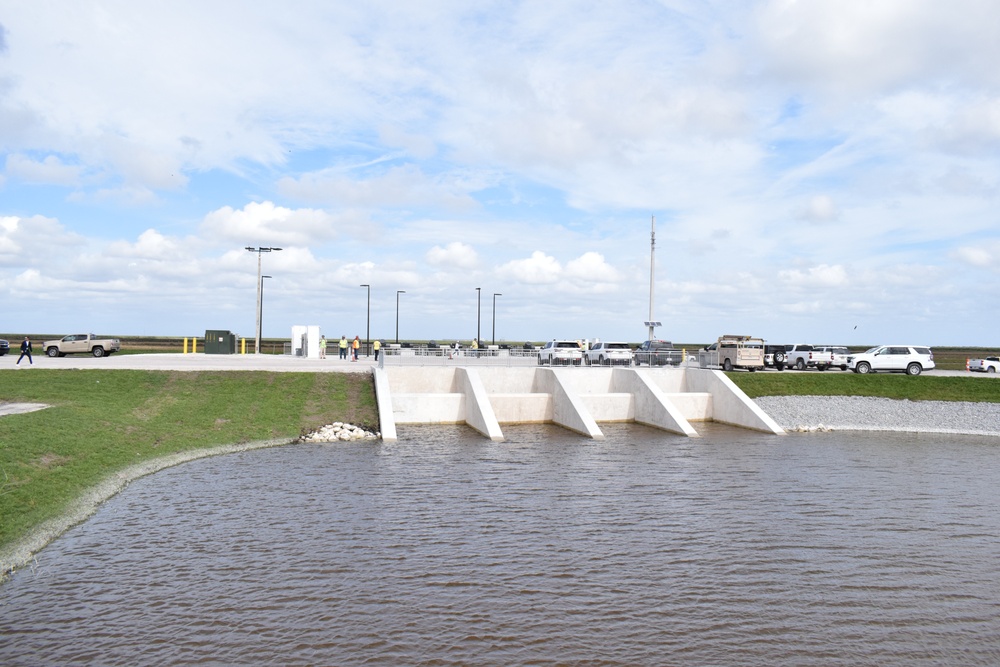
(103, 421)
(886, 385)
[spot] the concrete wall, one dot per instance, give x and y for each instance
(577, 399)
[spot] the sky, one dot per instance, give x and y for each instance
(821, 171)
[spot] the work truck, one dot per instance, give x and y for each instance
(733, 351)
(85, 343)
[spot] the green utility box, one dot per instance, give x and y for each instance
(220, 342)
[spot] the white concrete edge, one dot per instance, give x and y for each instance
(478, 409)
(757, 420)
(661, 413)
(383, 398)
(568, 410)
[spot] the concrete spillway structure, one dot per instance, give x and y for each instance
(574, 398)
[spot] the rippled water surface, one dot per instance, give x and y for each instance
(548, 549)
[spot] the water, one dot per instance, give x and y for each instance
(548, 549)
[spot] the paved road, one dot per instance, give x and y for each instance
(273, 362)
(194, 362)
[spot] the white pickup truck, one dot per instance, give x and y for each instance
(801, 357)
(987, 365)
(76, 343)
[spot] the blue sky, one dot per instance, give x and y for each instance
(821, 171)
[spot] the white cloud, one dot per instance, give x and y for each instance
(818, 209)
(456, 254)
(983, 256)
(539, 269)
(49, 170)
(591, 268)
(265, 223)
(817, 276)
(405, 186)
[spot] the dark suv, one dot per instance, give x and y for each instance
(657, 353)
(4, 347)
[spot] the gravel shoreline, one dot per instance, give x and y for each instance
(861, 413)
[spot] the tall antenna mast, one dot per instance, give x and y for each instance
(652, 273)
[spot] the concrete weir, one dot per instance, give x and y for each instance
(574, 398)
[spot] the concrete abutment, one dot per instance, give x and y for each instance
(578, 399)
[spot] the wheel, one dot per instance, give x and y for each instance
(540, 363)
(779, 366)
(727, 365)
(602, 361)
(843, 367)
(863, 367)
(98, 351)
(991, 369)
(914, 369)
(779, 358)
(52, 351)
(800, 365)
(822, 367)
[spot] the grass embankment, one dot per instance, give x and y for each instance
(103, 421)
(885, 385)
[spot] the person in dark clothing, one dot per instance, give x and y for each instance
(25, 351)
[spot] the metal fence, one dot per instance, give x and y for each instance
(448, 356)
(392, 355)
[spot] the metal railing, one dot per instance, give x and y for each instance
(392, 355)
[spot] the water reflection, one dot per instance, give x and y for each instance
(446, 549)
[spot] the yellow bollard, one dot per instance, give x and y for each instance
(194, 345)
(185, 345)
(243, 345)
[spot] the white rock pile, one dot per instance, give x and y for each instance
(339, 431)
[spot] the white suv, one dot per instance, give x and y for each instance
(609, 354)
(911, 359)
(560, 352)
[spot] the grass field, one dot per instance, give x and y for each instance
(885, 385)
(103, 421)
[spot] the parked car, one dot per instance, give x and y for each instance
(774, 356)
(4, 347)
(733, 351)
(85, 343)
(839, 352)
(910, 359)
(609, 354)
(560, 352)
(987, 365)
(657, 353)
(807, 356)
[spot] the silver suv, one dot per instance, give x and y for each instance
(909, 359)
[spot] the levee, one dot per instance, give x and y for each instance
(575, 398)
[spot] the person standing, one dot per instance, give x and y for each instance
(25, 351)
(376, 345)
(322, 347)
(343, 347)
(355, 345)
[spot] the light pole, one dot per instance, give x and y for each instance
(260, 313)
(495, 295)
(368, 319)
(479, 293)
(256, 346)
(398, 292)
